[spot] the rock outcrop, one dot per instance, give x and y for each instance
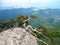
(17, 36)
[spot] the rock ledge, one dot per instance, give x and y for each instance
(17, 36)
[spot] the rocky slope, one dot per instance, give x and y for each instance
(17, 36)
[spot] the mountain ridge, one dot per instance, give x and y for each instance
(47, 17)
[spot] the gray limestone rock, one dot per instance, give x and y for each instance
(17, 36)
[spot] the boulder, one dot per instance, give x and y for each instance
(17, 36)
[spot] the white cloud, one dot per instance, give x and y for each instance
(25, 3)
(15, 1)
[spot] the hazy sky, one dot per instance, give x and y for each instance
(29, 3)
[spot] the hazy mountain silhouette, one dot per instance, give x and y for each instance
(45, 16)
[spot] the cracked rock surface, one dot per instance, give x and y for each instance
(17, 36)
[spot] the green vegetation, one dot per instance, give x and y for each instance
(19, 21)
(53, 35)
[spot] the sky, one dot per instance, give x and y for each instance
(41, 4)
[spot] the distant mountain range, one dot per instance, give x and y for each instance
(48, 17)
(13, 13)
